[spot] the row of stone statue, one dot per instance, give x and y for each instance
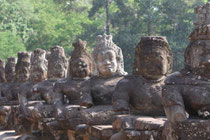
(92, 97)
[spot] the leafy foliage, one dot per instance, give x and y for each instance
(30, 24)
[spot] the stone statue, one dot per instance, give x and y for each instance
(188, 89)
(38, 66)
(109, 70)
(140, 93)
(22, 68)
(74, 88)
(41, 88)
(80, 70)
(57, 63)
(10, 69)
(186, 93)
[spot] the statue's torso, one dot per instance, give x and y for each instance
(194, 90)
(102, 89)
(73, 89)
(145, 96)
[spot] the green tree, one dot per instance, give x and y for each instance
(10, 44)
(14, 17)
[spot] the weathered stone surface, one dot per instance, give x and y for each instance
(57, 64)
(140, 128)
(147, 51)
(101, 132)
(22, 68)
(201, 32)
(102, 89)
(141, 93)
(81, 63)
(140, 123)
(38, 71)
(2, 71)
(10, 69)
(108, 57)
(203, 14)
(77, 87)
(97, 115)
(189, 89)
(192, 129)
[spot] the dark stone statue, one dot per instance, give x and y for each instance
(38, 72)
(188, 89)
(186, 95)
(57, 64)
(140, 93)
(10, 69)
(2, 71)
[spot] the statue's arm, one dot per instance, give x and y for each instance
(120, 98)
(58, 102)
(86, 97)
(173, 103)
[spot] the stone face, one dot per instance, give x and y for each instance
(10, 69)
(108, 57)
(38, 71)
(22, 68)
(147, 56)
(81, 62)
(2, 71)
(57, 64)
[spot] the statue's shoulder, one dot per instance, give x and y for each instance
(174, 78)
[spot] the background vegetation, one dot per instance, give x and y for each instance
(30, 24)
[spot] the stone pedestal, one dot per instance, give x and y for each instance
(139, 128)
(192, 129)
(100, 132)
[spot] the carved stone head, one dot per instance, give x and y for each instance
(197, 54)
(22, 68)
(108, 57)
(2, 71)
(197, 57)
(81, 63)
(203, 14)
(153, 58)
(57, 63)
(38, 66)
(10, 69)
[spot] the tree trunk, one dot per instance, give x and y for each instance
(107, 17)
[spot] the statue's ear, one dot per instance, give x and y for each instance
(170, 64)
